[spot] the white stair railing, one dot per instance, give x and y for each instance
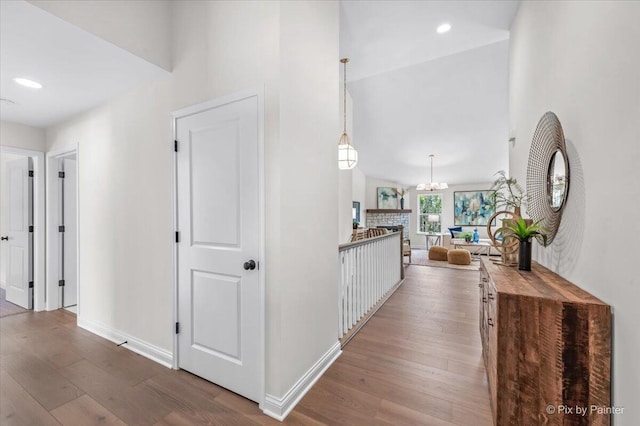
(368, 270)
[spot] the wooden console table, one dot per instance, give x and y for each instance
(546, 343)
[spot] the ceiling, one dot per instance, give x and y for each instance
(78, 70)
(416, 92)
(380, 36)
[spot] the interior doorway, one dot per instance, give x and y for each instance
(16, 270)
(22, 277)
(62, 230)
(220, 242)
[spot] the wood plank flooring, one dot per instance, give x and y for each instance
(418, 361)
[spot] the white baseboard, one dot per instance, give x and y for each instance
(154, 353)
(279, 408)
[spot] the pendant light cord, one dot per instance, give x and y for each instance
(431, 182)
(344, 95)
(344, 82)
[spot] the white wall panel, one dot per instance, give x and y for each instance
(581, 61)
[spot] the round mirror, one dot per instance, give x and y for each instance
(548, 174)
(557, 180)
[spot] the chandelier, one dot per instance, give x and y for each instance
(432, 186)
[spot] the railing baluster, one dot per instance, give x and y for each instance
(359, 288)
(383, 264)
(355, 287)
(379, 268)
(349, 290)
(366, 276)
(365, 284)
(358, 280)
(375, 267)
(340, 298)
(384, 268)
(362, 286)
(352, 304)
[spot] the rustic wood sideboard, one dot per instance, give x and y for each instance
(546, 346)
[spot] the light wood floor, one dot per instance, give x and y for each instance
(417, 362)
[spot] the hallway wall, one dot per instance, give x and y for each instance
(22, 136)
(125, 157)
(581, 61)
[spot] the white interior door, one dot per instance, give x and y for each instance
(218, 216)
(69, 254)
(19, 241)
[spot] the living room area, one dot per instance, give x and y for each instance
(420, 120)
(434, 133)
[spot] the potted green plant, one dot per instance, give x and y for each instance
(521, 230)
(355, 224)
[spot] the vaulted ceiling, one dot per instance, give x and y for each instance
(416, 92)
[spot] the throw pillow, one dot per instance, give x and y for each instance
(455, 229)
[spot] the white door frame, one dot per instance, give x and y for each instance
(53, 220)
(259, 93)
(39, 281)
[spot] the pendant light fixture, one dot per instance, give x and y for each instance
(347, 154)
(432, 186)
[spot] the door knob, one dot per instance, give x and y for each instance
(250, 265)
(4, 238)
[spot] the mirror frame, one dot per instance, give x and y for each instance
(548, 139)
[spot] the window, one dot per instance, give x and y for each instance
(429, 211)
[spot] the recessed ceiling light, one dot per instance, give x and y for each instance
(28, 83)
(443, 28)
